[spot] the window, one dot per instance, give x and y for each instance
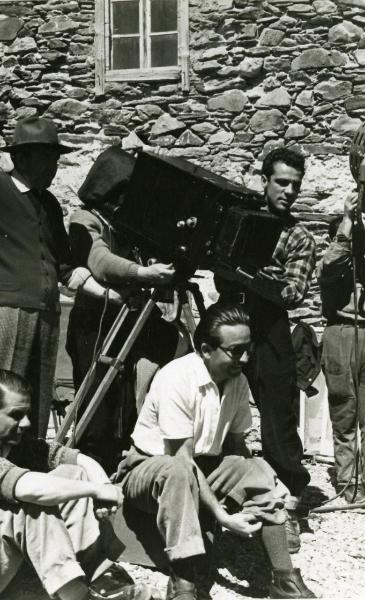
(141, 40)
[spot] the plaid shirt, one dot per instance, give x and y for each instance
(292, 263)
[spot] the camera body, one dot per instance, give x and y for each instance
(178, 212)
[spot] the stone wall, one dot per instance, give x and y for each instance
(263, 73)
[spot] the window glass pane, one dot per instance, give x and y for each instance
(126, 17)
(125, 53)
(164, 50)
(163, 15)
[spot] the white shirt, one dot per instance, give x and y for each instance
(184, 402)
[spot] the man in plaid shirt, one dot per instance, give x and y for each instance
(279, 287)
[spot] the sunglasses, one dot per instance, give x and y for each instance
(237, 351)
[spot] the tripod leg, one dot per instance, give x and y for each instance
(89, 379)
(109, 377)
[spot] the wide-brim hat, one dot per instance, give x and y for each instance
(36, 130)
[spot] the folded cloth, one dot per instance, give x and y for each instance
(266, 510)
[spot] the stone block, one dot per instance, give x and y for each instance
(355, 103)
(277, 63)
(317, 58)
(360, 56)
(204, 128)
(333, 90)
(295, 131)
(221, 137)
(305, 98)
(68, 108)
(345, 125)
(278, 97)
(188, 138)
(265, 120)
(166, 124)
(251, 67)
(9, 28)
(22, 46)
(231, 101)
(271, 37)
(59, 24)
(324, 7)
(206, 66)
(218, 52)
(344, 33)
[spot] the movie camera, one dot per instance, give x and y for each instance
(176, 211)
(170, 210)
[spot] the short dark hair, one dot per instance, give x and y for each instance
(285, 155)
(215, 317)
(12, 382)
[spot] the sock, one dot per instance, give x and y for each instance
(276, 546)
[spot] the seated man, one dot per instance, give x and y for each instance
(47, 518)
(196, 403)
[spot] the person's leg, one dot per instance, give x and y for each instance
(42, 367)
(338, 365)
(93, 541)
(37, 534)
(275, 385)
(251, 485)
(166, 486)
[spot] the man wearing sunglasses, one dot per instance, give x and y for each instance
(189, 452)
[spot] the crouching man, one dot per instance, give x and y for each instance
(176, 463)
(47, 513)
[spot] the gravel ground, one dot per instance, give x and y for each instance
(332, 557)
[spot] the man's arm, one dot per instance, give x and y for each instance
(238, 523)
(90, 249)
(46, 489)
(337, 258)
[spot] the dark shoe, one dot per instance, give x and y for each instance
(116, 584)
(289, 584)
(292, 530)
(180, 589)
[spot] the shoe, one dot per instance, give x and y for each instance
(181, 589)
(116, 584)
(289, 584)
(292, 530)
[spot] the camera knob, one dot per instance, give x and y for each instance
(191, 222)
(180, 224)
(182, 249)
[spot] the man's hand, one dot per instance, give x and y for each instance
(156, 274)
(350, 205)
(272, 272)
(107, 500)
(243, 524)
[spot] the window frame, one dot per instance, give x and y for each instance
(104, 74)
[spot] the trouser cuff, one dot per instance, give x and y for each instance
(193, 547)
(62, 574)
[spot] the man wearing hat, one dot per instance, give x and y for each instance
(34, 256)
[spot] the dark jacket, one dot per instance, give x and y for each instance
(34, 249)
